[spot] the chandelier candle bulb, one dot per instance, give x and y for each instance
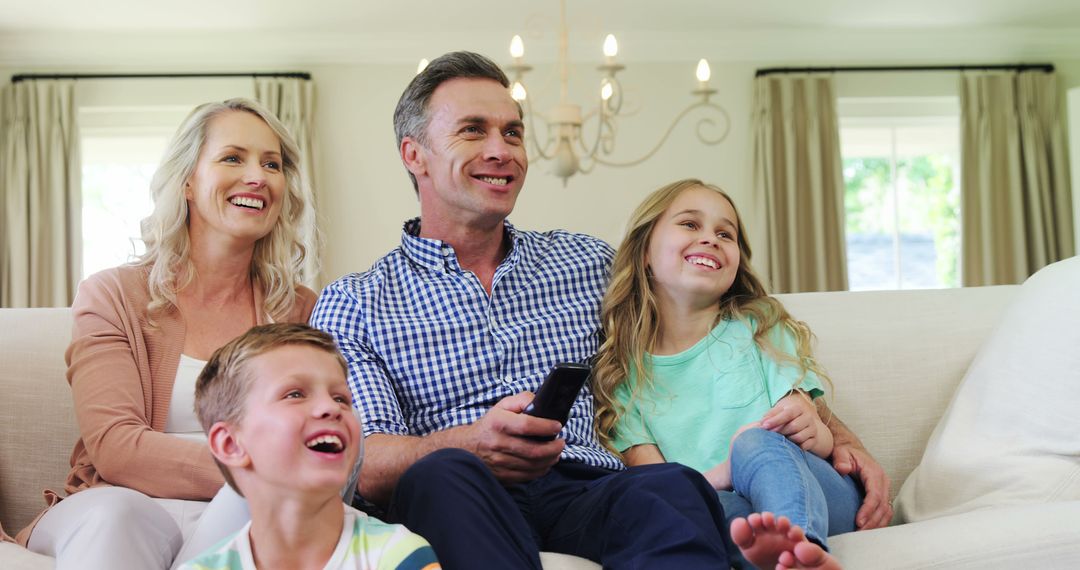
(611, 49)
(703, 74)
(518, 92)
(517, 49)
(422, 65)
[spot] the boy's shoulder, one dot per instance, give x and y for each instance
(229, 554)
(371, 544)
(392, 545)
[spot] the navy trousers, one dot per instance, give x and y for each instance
(652, 516)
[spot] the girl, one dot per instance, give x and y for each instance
(698, 359)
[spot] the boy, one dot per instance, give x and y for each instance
(278, 416)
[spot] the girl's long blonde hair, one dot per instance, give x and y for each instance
(276, 266)
(631, 320)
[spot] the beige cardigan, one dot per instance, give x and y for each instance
(121, 373)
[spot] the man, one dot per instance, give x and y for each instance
(448, 335)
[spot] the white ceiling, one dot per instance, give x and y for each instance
(314, 31)
(358, 16)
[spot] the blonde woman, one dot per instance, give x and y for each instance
(223, 253)
(701, 366)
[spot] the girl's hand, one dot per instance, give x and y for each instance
(720, 476)
(796, 418)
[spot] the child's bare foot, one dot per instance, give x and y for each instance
(768, 542)
(763, 537)
(807, 556)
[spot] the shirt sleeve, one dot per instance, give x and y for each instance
(410, 552)
(781, 377)
(630, 429)
(607, 253)
(339, 313)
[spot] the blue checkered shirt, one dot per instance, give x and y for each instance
(428, 349)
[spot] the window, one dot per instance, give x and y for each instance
(902, 193)
(121, 149)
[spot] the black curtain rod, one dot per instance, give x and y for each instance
(25, 76)
(1044, 67)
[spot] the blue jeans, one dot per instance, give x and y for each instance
(770, 473)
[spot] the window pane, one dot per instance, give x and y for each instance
(869, 223)
(116, 197)
(902, 203)
(929, 222)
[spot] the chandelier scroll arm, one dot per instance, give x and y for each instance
(604, 123)
(530, 133)
(606, 113)
(678, 119)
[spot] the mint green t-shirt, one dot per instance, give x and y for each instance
(700, 397)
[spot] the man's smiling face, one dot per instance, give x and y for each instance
(472, 164)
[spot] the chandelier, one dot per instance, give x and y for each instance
(566, 142)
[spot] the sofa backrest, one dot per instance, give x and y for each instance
(896, 357)
(37, 424)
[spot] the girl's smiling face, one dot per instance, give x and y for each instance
(693, 251)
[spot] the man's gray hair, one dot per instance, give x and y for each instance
(411, 114)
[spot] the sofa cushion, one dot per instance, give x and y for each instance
(1010, 434)
(1019, 536)
(15, 557)
(36, 413)
(895, 359)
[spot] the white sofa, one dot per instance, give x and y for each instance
(895, 359)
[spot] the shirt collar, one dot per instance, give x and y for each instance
(439, 255)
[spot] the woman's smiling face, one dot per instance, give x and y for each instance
(237, 188)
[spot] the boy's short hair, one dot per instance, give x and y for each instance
(223, 384)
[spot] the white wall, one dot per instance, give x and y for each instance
(364, 193)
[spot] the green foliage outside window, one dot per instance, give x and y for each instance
(929, 204)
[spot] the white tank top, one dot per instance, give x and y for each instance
(182, 421)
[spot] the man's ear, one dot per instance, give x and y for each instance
(412, 155)
(226, 447)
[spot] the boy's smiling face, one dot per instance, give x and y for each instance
(298, 430)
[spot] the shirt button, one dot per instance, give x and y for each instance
(508, 379)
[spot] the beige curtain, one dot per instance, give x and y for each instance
(1015, 196)
(798, 176)
(293, 101)
(40, 194)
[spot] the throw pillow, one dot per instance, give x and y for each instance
(1012, 432)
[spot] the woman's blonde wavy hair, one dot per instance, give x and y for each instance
(631, 321)
(276, 266)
